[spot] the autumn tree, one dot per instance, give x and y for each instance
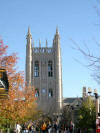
(21, 99)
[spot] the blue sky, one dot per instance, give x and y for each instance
(75, 19)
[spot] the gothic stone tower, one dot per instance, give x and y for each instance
(44, 72)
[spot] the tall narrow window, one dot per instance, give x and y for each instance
(36, 69)
(50, 93)
(50, 69)
(36, 92)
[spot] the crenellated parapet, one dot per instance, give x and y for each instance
(42, 50)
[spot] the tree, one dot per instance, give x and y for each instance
(21, 99)
(93, 58)
(18, 108)
(66, 116)
(93, 61)
(87, 114)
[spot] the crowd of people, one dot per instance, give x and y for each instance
(49, 127)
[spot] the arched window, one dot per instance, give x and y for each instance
(36, 69)
(50, 93)
(36, 92)
(50, 69)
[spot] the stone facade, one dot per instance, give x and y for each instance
(44, 72)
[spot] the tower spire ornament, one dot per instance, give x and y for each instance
(57, 32)
(29, 34)
(56, 41)
(29, 30)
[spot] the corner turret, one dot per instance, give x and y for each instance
(58, 68)
(28, 58)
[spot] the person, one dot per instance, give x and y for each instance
(49, 127)
(44, 127)
(71, 128)
(56, 127)
(98, 123)
(18, 128)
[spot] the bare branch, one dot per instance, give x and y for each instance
(93, 61)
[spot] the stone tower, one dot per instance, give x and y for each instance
(44, 72)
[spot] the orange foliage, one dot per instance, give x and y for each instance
(20, 98)
(16, 107)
